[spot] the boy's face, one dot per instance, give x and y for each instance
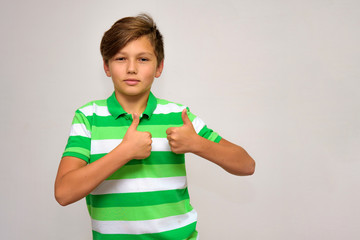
(134, 68)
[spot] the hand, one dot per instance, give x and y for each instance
(138, 144)
(182, 139)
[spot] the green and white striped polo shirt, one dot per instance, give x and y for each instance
(144, 199)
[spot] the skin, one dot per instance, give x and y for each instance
(133, 70)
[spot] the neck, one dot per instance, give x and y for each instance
(133, 104)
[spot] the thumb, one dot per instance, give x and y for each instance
(185, 117)
(135, 121)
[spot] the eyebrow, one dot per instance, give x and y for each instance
(141, 53)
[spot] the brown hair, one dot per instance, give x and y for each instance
(128, 29)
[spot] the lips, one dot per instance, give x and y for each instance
(131, 82)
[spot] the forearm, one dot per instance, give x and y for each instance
(234, 159)
(80, 181)
(75, 179)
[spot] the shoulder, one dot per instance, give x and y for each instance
(95, 107)
(165, 106)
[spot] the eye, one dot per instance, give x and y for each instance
(120, 59)
(143, 59)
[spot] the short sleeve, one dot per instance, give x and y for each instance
(78, 144)
(201, 128)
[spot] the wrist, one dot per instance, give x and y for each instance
(197, 144)
(122, 150)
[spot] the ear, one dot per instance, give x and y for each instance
(107, 69)
(159, 69)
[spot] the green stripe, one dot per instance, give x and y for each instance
(141, 213)
(154, 158)
(213, 136)
(191, 116)
(209, 134)
(217, 139)
(137, 199)
(79, 150)
(157, 131)
(100, 133)
(149, 171)
(156, 119)
(81, 118)
(188, 232)
(193, 236)
(78, 141)
(77, 155)
(110, 121)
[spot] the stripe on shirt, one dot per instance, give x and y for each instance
(107, 145)
(149, 171)
(79, 129)
(103, 110)
(146, 226)
(140, 185)
(137, 199)
(95, 109)
(118, 132)
(168, 108)
(198, 124)
(141, 212)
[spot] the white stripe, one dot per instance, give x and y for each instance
(168, 108)
(98, 110)
(160, 145)
(79, 129)
(198, 124)
(104, 146)
(140, 185)
(143, 227)
(107, 145)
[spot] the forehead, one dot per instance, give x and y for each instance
(139, 45)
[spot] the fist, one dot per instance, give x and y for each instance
(182, 139)
(138, 144)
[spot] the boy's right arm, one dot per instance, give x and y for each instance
(76, 179)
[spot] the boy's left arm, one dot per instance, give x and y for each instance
(227, 155)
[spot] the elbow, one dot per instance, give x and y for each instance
(251, 168)
(61, 198)
(245, 169)
(246, 164)
(62, 202)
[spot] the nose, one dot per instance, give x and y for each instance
(131, 67)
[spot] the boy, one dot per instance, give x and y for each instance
(125, 154)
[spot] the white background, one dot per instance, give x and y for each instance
(280, 78)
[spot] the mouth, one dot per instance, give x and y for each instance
(131, 82)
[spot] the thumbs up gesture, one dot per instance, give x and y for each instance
(138, 144)
(182, 139)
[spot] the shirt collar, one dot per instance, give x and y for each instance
(116, 110)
